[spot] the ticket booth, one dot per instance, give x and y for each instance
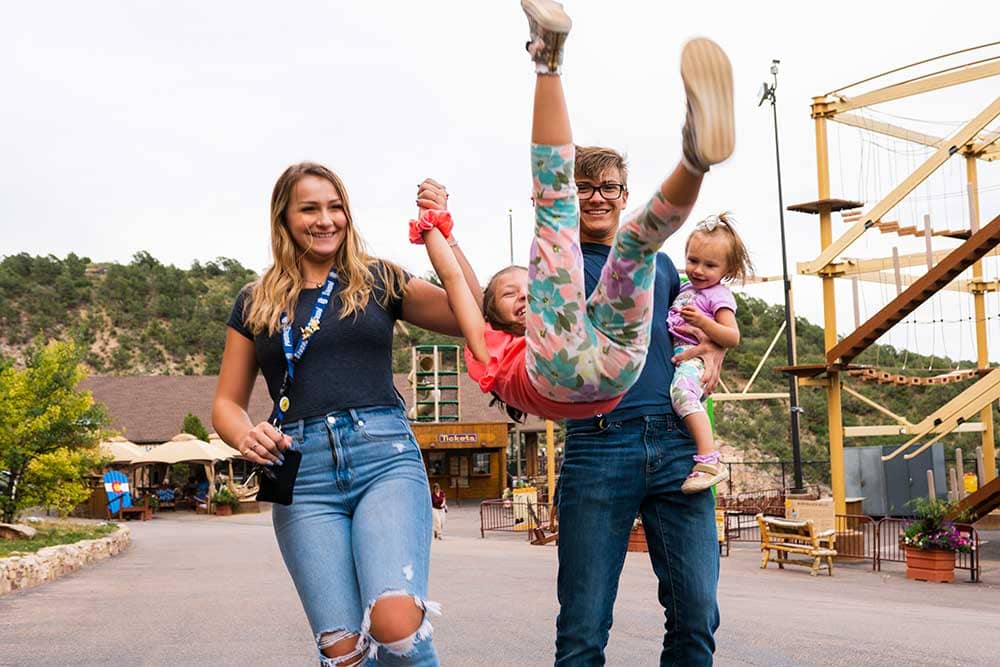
(467, 459)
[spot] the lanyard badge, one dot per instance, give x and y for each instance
(294, 351)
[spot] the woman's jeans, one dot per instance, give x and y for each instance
(359, 528)
(612, 472)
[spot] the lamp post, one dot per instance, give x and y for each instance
(515, 435)
(510, 226)
(767, 94)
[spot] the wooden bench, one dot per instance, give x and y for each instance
(788, 536)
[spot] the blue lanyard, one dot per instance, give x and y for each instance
(294, 352)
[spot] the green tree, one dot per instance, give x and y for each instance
(194, 426)
(41, 413)
(57, 480)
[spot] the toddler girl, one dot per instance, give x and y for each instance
(545, 348)
(714, 252)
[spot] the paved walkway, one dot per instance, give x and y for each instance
(196, 590)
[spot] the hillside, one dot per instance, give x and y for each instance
(149, 318)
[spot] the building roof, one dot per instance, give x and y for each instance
(151, 408)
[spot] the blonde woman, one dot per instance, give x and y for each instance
(356, 538)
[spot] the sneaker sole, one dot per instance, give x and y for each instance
(548, 14)
(708, 81)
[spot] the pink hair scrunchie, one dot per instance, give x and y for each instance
(429, 219)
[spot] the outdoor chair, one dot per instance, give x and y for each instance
(247, 491)
(120, 498)
(167, 501)
(543, 534)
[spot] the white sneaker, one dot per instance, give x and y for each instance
(710, 127)
(548, 25)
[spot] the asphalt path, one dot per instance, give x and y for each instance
(197, 590)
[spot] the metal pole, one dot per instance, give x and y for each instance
(793, 386)
(510, 226)
(550, 461)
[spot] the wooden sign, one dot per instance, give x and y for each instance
(458, 438)
(820, 511)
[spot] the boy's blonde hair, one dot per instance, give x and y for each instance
(592, 162)
(739, 267)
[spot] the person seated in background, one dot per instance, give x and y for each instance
(165, 494)
(201, 489)
(201, 492)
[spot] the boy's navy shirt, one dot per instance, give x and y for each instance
(650, 395)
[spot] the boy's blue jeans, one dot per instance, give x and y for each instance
(612, 472)
(359, 528)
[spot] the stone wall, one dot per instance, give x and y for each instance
(50, 563)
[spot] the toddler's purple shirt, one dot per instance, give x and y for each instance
(708, 301)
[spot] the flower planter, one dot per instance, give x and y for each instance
(637, 539)
(930, 565)
(223, 510)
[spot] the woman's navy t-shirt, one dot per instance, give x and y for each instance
(348, 363)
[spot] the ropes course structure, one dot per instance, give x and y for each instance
(917, 183)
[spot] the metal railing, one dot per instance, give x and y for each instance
(860, 537)
(857, 534)
(753, 476)
(512, 516)
(770, 502)
(857, 538)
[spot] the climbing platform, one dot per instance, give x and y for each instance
(873, 374)
(957, 261)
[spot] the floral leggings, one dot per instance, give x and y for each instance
(580, 349)
(686, 393)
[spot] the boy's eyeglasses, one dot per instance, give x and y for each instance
(710, 223)
(609, 191)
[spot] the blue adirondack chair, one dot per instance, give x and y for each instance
(120, 497)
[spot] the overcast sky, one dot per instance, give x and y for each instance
(162, 126)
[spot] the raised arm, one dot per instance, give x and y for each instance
(433, 196)
(464, 304)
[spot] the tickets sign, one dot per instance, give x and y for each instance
(458, 438)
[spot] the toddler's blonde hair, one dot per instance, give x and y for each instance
(739, 267)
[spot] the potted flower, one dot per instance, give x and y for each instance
(225, 502)
(931, 541)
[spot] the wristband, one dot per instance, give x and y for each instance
(429, 219)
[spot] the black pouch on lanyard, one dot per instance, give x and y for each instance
(277, 482)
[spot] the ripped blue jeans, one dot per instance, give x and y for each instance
(359, 529)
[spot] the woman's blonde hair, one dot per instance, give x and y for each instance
(739, 267)
(278, 289)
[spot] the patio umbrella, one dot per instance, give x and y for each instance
(228, 452)
(219, 444)
(121, 450)
(182, 448)
(185, 448)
